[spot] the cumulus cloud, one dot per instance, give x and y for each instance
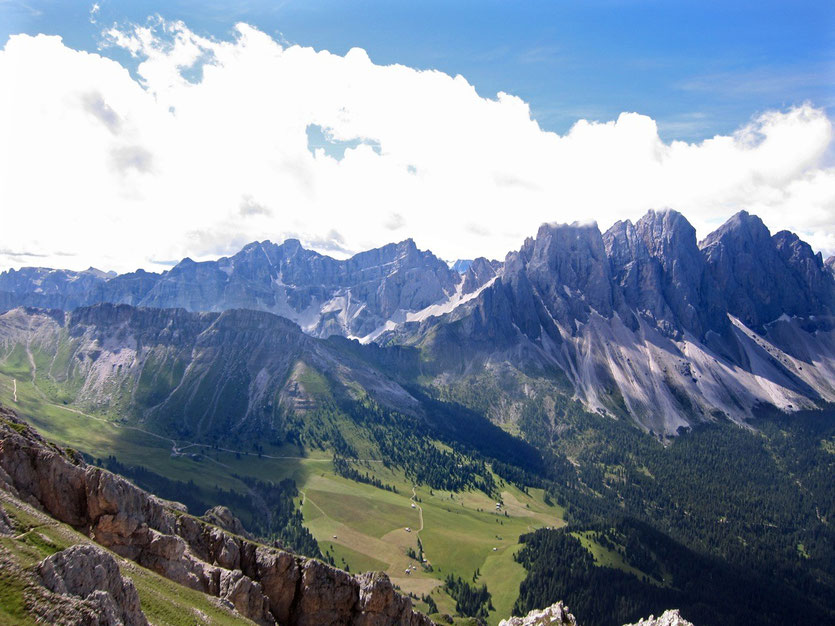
(205, 144)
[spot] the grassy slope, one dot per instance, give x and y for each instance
(460, 530)
(605, 557)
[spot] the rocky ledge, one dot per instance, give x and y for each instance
(264, 584)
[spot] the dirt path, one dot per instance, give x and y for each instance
(14, 390)
(305, 499)
(419, 508)
(417, 532)
(34, 528)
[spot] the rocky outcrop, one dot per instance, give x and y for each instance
(557, 614)
(262, 583)
(90, 573)
(223, 517)
(6, 527)
(668, 618)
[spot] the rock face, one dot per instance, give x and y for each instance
(643, 320)
(763, 277)
(663, 277)
(668, 618)
(557, 614)
(479, 272)
(90, 573)
(264, 584)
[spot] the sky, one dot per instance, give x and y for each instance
(133, 134)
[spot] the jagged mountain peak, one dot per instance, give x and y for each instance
(461, 265)
(794, 249)
(479, 272)
(568, 267)
(353, 297)
(664, 230)
(742, 229)
(638, 318)
(763, 277)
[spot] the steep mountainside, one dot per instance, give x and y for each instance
(764, 277)
(642, 321)
(179, 401)
(200, 374)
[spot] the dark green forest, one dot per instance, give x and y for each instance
(735, 517)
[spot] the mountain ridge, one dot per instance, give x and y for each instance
(642, 320)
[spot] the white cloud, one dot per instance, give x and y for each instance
(207, 147)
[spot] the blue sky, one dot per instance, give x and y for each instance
(697, 68)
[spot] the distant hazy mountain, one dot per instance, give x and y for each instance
(325, 296)
(640, 320)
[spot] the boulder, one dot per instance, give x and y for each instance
(90, 573)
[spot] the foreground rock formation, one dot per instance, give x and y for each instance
(668, 618)
(554, 614)
(263, 584)
(558, 615)
(90, 573)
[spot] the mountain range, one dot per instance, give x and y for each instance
(473, 422)
(641, 320)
